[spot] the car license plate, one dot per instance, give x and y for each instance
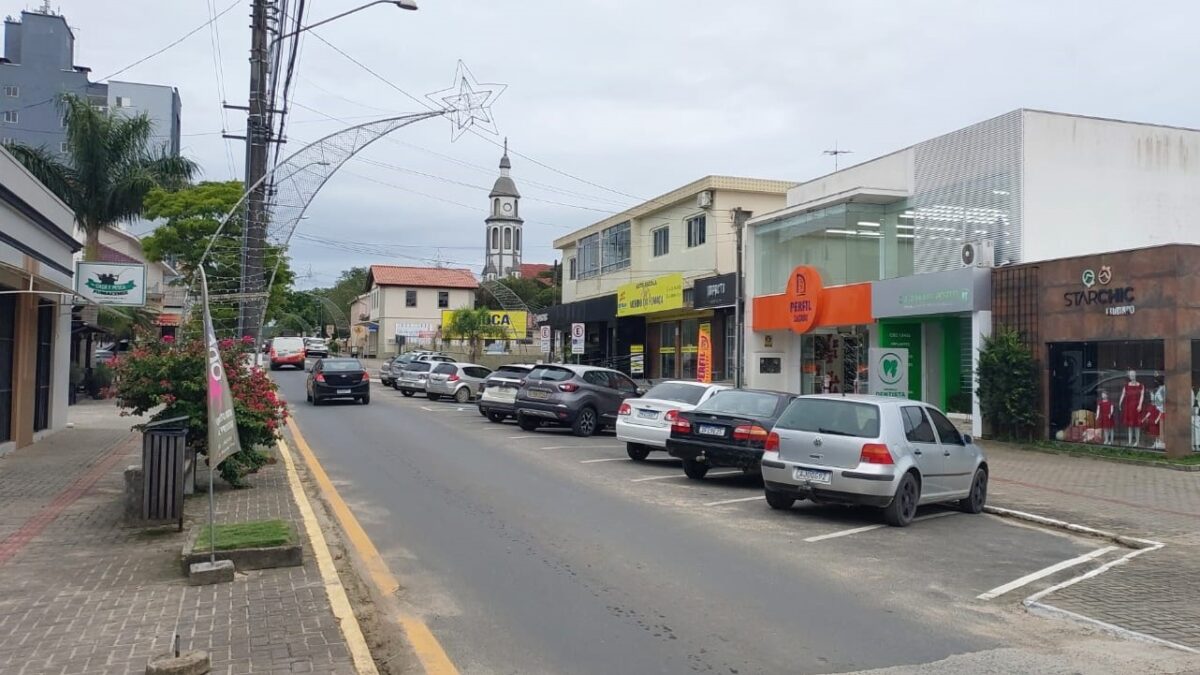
(534, 393)
(343, 391)
(709, 430)
(648, 414)
(812, 475)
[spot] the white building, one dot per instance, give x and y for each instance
(407, 302)
(503, 232)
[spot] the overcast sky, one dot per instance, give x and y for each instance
(637, 96)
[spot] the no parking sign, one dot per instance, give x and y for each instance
(577, 332)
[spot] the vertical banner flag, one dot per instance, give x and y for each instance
(637, 360)
(577, 332)
(222, 424)
(704, 357)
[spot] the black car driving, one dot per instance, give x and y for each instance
(338, 378)
(729, 429)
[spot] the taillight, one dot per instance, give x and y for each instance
(625, 409)
(320, 377)
(749, 432)
(681, 426)
(875, 453)
(671, 416)
(366, 377)
(772, 442)
(568, 386)
(272, 351)
(452, 378)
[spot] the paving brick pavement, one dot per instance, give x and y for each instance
(89, 595)
(1156, 593)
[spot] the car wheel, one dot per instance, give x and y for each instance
(407, 392)
(496, 417)
(463, 395)
(694, 470)
(904, 504)
(973, 503)
(432, 397)
(527, 423)
(585, 423)
(637, 451)
(308, 396)
(395, 385)
(779, 500)
(366, 400)
(315, 400)
(274, 367)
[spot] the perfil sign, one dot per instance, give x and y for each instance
(111, 283)
(889, 372)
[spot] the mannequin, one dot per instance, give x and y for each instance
(1132, 396)
(1158, 407)
(1106, 417)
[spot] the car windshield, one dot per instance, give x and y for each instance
(551, 374)
(680, 392)
(340, 365)
(418, 366)
(741, 402)
(839, 417)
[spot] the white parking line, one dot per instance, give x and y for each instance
(679, 475)
(606, 459)
(513, 438)
(1030, 578)
(868, 528)
(735, 501)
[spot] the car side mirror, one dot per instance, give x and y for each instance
(967, 440)
(640, 391)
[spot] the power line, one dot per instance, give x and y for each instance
(219, 71)
(185, 36)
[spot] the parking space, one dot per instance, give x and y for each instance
(945, 554)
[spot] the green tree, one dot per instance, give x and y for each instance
(109, 168)
(1009, 385)
(471, 326)
(351, 283)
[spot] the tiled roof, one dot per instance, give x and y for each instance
(429, 277)
(112, 255)
(531, 270)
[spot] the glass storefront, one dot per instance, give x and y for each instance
(1195, 408)
(834, 363)
(1109, 393)
(689, 337)
(666, 349)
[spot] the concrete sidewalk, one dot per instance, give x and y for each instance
(82, 593)
(1156, 594)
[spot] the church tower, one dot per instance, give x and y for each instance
(503, 231)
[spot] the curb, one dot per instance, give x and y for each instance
(1128, 542)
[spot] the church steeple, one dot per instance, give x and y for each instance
(503, 225)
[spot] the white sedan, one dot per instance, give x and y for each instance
(645, 423)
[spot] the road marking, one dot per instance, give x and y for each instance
(677, 475)
(427, 648)
(513, 438)
(338, 601)
(736, 501)
(868, 528)
(1045, 572)
(606, 459)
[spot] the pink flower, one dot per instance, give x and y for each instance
(247, 339)
(168, 339)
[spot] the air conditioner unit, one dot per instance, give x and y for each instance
(704, 199)
(979, 254)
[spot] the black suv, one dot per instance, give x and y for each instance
(585, 398)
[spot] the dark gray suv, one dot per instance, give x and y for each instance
(585, 398)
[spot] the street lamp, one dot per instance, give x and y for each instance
(402, 4)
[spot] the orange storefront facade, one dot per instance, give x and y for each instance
(811, 338)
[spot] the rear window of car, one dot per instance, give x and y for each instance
(742, 402)
(832, 416)
(551, 374)
(340, 365)
(445, 368)
(287, 343)
(677, 391)
(512, 370)
(418, 366)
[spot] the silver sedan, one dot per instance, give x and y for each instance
(891, 453)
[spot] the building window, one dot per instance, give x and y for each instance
(696, 233)
(8, 322)
(410, 298)
(443, 299)
(662, 241)
(63, 121)
(496, 206)
(516, 206)
(516, 240)
(666, 349)
(1094, 400)
(62, 147)
(124, 102)
(508, 239)
(10, 116)
(589, 256)
(495, 238)
(571, 268)
(12, 90)
(44, 352)
(614, 247)
(8, 140)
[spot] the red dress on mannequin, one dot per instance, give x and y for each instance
(1104, 411)
(1133, 394)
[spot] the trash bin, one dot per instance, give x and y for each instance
(164, 465)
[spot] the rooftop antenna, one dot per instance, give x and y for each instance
(835, 152)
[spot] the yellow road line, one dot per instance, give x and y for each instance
(429, 651)
(342, 611)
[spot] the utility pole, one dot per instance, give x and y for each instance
(740, 216)
(258, 136)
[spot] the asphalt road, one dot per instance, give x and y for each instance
(544, 553)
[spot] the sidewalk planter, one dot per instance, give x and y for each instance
(287, 555)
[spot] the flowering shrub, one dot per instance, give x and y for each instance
(171, 373)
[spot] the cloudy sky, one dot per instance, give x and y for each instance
(635, 97)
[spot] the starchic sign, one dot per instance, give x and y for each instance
(1116, 300)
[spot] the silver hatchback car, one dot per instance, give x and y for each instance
(462, 381)
(891, 453)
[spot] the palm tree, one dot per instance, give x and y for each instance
(110, 167)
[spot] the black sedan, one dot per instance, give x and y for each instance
(729, 429)
(338, 378)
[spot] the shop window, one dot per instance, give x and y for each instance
(666, 349)
(730, 348)
(689, 349)
(8, 319)
(41, 383)
(662, 241)
(697, 231)
(1109, 393)
(1195, 407)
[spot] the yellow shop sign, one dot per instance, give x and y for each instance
(506, 325)
(659, 294)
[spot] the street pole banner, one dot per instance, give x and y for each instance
(577, 332)
(544, 338)
(704, 355)
(222, 424)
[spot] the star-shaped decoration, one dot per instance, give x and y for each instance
(468, 103)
